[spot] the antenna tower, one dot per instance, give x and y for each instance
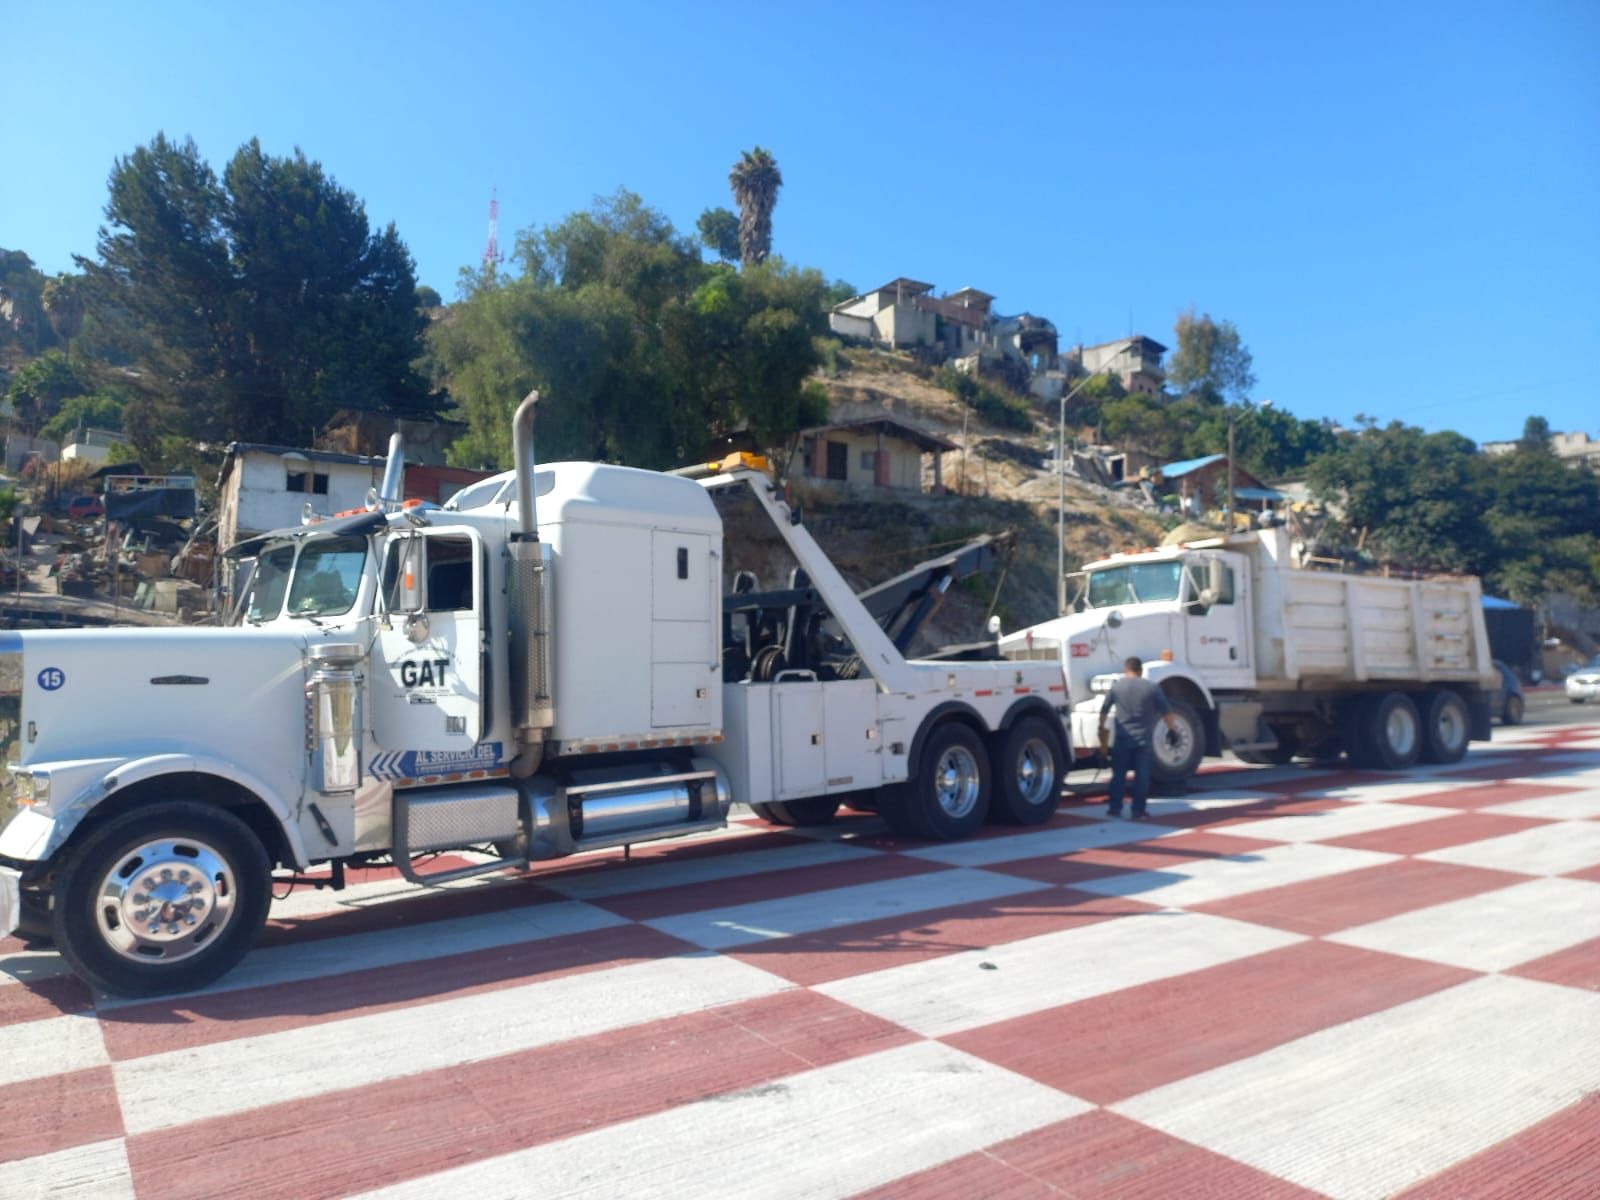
(491, 252)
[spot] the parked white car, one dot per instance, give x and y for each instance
(1584, 683)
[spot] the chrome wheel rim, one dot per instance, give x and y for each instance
(165, 900)
(1451, 729)
(1036, 771)
(1400, 730)
(1173, 746)
(956, 781)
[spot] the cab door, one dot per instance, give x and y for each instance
(1215, 632)
(428, 658)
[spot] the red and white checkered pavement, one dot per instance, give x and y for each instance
(1293, 982)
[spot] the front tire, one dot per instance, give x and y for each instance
(1514, 711)
(166, 898)
(1032, 765)
(1178, 751)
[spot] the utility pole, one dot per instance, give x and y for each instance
(1061, 480)
(1228, 524)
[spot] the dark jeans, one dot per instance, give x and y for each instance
(1129, 755)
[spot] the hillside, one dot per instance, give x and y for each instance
(1003, 483)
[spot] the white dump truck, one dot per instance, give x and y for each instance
(1273, 658)
(561, 659)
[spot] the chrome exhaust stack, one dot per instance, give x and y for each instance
(391, 490)
(528, 584)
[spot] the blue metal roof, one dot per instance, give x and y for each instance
(1496, 602)
(1261, 493)
(1173, 470)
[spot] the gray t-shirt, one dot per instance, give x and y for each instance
(1139, 704)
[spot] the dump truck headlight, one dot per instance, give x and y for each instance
(33, 790)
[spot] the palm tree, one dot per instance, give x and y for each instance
(755, 180)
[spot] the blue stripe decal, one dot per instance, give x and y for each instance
(10, 641)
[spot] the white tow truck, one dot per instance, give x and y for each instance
(1272, 657)
(562, 659)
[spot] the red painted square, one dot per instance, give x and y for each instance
(1256, 810)
(870, 866)
(1162, 853)
(369, 1137)
(37, 999)
(1096, 1156)
(1518, 764)
(161, 1025)
(1423, 836)
(58, 1112)
(849, 950)
(1553, 1160)
(1321, 906)
(1472, 797)
(407, 909)
(1576, 966)
(1111, 1047)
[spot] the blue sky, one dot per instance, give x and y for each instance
(1395, 203)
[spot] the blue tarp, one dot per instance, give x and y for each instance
(1496, 602)
(1173, 470)
(1254, 493)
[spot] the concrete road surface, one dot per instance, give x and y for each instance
(1291, 982)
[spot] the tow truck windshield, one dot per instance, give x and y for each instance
(1135, 583)
(319, 577)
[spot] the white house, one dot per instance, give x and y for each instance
(268, 487)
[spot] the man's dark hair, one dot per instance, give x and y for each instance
(1132, 663)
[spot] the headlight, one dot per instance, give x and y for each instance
(33, 791)
(1102, 683)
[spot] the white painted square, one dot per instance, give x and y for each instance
(763, 920)
(97, 1171)
(1344, 821)
(1042, 843)
(1554, 849)
(834, 1131)
(52, 1046)
(1208, 879)
(946, 995)
(1491, 931)
(1364, 1109)
(1573, 806)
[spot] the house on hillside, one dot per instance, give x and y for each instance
(1576, 447)
(367, 431)
(91, 445)
(267, 487)
(1201, 485)
(876, 452)
(1134, 361)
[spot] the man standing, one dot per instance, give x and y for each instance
(1138, 702)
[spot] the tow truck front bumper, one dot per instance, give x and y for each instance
(10, 900)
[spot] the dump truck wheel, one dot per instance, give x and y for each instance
(1395, 731)
(1178, 751)
(948, 797)
(166, 898)
(1445, 728)
(1032, 765)
(1513, 712)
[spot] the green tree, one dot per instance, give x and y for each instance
(719, 233)
(1210, 360)
(98, 411)
(39, 389)
(1417, 497)
(428, 297)
(1268, 442)
(755, 180)
(255, 304)
(1544, 517)
(641, 350)
(838, 292)
(24, 328)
